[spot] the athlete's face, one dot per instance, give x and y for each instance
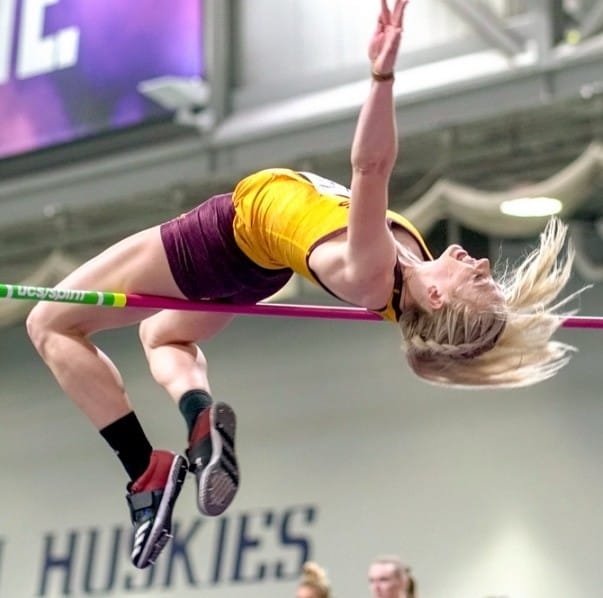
(385, 582)
(459, 275)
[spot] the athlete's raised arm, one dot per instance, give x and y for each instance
(374, 150)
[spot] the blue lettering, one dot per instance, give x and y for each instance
(92, 559)
(61, 564)
(289, 538)
(219, 550)
(96, 562)
(178, 551)
(245, 543)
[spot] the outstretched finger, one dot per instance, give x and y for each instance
(398, 13)
(385, 14)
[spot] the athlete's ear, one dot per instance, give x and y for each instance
(435, 297)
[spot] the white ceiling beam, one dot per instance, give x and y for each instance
(592, 22)
(488, 25)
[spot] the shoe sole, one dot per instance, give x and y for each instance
(160, 533)
(218, 481)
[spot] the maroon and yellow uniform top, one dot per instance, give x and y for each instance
(281, 215)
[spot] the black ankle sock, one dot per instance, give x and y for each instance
(127, 438)
(191, 404)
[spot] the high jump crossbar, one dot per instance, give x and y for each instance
(120, 300)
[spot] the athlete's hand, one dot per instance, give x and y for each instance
(383, 47)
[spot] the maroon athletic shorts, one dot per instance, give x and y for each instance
(206, 262)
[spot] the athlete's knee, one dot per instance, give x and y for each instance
(147, 333)
(39, 328)
(156, 333)
(158, 330)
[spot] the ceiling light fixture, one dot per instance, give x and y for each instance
(531, 207)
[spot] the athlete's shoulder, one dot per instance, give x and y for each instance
(409, 227)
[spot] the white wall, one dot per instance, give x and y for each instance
(485, 494)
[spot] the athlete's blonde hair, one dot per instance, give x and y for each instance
(315, 577)
(508, 344)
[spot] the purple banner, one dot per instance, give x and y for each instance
(70, 68)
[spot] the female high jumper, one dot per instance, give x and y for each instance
(459, 325)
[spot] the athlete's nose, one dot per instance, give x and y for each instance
(483, 265)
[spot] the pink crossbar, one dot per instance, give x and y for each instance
(297, 311)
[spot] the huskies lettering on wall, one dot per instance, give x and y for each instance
(244, 548)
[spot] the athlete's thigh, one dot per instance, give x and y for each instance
(135, 264)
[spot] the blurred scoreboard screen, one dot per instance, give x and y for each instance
(69, 69)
